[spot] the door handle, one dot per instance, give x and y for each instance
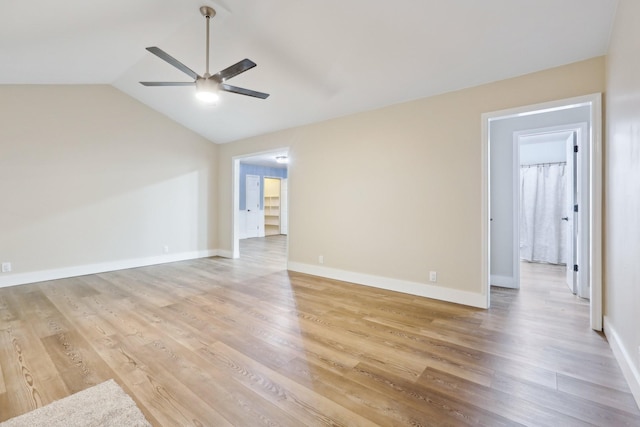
(565, 218)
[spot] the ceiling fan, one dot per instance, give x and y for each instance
(207, 85)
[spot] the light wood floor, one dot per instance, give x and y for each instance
(216, 342)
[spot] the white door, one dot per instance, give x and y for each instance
(252, 199)
(571, 217)
(284, 207)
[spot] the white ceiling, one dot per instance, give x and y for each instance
(317, 59)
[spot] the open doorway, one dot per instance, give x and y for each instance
(502, 132)
(260, 200)
(551, 185)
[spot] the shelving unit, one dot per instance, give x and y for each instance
(271, 206)
(271, 215)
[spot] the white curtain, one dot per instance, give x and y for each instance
(543, 233)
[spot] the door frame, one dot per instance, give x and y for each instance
(581, 129)
(235, 179)
(595, 192)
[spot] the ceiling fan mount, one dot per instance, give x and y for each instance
(207, 12)
(207, 85)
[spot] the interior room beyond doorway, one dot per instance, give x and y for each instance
(262, 198)
(502, 233)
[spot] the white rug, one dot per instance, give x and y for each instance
(102, 405)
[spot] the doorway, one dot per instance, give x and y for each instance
(551, 184)
(500, 228)
(256, 211)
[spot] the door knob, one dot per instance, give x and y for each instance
(565, 218)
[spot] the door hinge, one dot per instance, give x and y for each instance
(575, 267)
(575, 208)
(575, 148)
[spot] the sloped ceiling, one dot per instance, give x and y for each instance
(317, 59)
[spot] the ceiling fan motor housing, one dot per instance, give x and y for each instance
(206, 85)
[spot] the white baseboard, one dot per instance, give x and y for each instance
(82, 270)
(624, 359)
(413, 288)
(503, 281)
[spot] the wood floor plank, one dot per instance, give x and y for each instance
(295, 399)
(7, 309)
(212, 387)
(474, 365)
(339, 359)
(243, 342)
(597, 393)
(439, 408)
(573, 406)
(76, 362)
(514, 408)
(381, 409)
(31, 380)
(169, 374)
(3, 387)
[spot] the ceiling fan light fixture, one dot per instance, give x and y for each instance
(207, 90)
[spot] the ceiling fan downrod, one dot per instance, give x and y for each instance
(208, 13)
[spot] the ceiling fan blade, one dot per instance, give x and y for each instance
(173, 61)
(167, 83)
(243, 91)
(234, 70)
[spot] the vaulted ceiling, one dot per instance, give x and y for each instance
(317, 59)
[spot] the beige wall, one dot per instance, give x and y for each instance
(90, 176)
(622, 192)
(394, 193)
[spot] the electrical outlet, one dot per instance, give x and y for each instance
(165, 249)
(321, 259)
(6, 267)
(433, 276)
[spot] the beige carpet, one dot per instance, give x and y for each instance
(105, 404)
